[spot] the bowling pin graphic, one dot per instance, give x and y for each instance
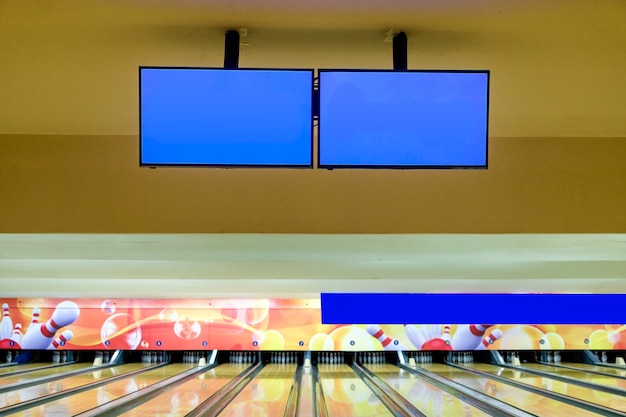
(435, 331)
(469, 336)
(489, 339)
(17, 334)
(6, 327)
(64, 314)
(388, 343)
(60, 341)
(445, 336)
(414, 335)
(34, 323)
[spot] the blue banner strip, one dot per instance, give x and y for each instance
(344, 308)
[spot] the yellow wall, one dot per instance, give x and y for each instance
(94, 184)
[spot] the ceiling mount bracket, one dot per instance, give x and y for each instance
(231, 49)
(400, 62)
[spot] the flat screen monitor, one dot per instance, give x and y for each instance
(225, 117)
(403, 119)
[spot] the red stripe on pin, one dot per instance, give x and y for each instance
(475, 331)
(46, 332)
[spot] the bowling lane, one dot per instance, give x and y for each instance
(266, 395)
(41, 390)
(605, 380)
(40, 373)
(598, 397)
(426, 397)
(524, 400)
(89, 399)
(19, 368)
(596, 368)
(183, 398)
(347, 395)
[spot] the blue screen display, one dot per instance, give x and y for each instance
(403, 119)
(223, 117)
(390, 308)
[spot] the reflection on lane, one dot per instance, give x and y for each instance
(40, 373)
(18, 368)
(64, 384)
(266, 395)
(516, 397)
(183, 398)
(426, 397)
(86, 400)
(347, 395)
(596, 368)
(606, 380)
(601, 398)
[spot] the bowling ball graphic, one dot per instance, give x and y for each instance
(270, 340)
(120, 331)
(436, 344)
(553, 341)
(321, 341)
(108, 307)
(352, 338)
(187, 329)
(521, 338)
(168, 315)
(599, 339)
(9, 344)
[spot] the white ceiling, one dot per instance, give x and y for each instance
(294, 265)
(70, 66)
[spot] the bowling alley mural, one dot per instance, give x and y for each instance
(261, 324)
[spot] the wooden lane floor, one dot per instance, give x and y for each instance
(347, 395)
(266, 395)
(616, 402)
(517, 397)
(607, 370)
(426, 397)
(74, 404)
(6, 370)
(184, 397)
(605, 380)
(40, 373)
(46, 388)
